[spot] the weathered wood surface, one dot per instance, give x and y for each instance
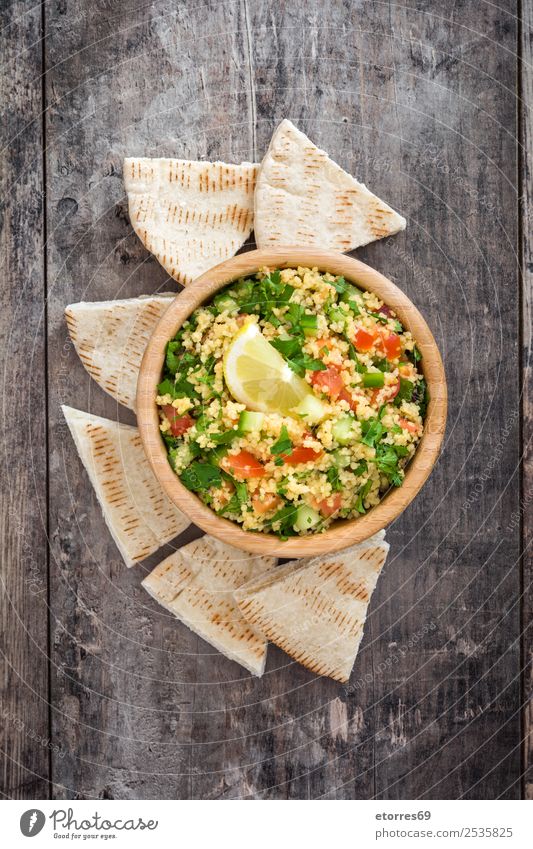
(24, 728)
(525, 513)
(422, 106)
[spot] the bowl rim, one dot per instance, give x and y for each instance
(342, 533)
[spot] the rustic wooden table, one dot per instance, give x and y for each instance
(103, 694)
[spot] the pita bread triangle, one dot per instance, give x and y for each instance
(315, 609)
(137, 512)
(197, 584)
(303, 198)
(190, 215)
(110, 338)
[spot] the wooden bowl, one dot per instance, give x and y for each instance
(344, 532)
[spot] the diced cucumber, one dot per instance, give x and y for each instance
(341, 458)
(343, 430)
(309, 325)
(182, 456)
(351, 293)
(311, 409)
(373, 380)
(306, 518)
(224, 303)
(249, 421)
(335, 314)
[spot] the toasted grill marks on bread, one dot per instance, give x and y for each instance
(190, 215)
(110, 338)
(138, 514)
(197, 585)
(315, 610)
(304, 198)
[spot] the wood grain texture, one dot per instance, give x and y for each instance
(525, 513)
(341, 534)
(24, 731)
(419, 104)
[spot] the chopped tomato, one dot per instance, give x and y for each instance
(329, 381)
(392, 345)
(329, 506)
(344, 395)
(301, 455)
(178, 424)
(243, 465)
(386, 394)
(410, 426)
(323, 342)
(266, 503)
(364, 339)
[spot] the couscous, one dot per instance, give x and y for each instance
(290, 400)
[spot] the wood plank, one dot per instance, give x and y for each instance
(525, 514)
(143, 708)
(447, 715)
(163, 82)
(24, 731)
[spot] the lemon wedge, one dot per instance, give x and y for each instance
(258, 376)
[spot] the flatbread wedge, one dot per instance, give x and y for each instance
(190, 215)
(137, 512)
(304, 198)
(315, 609)
(110, 338)
(197, 584)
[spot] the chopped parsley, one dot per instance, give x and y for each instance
(283, 444)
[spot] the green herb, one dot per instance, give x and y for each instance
(361, 495)
(200, 476)
(172, 361)
(226, 437)
(421, 396)
(299, 362)
(332, 476)
(406, 391)
(339, 284)
(372, 430)
(361, 468)
(416, 355)
(285, 516)
(283, 444)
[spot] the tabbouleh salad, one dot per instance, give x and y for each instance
(297, 337)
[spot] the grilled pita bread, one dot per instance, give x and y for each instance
(110, 338)
(315, 609)
(196, 584)
(303, 198)
(190, 215)
(137, 512)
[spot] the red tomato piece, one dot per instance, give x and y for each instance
(410, 426)
(384, 395)
(392, 345)
(265, 503)
(243, 465)
(329, 381)
(329, 506)
(301, 455)
(344, 395)
(364, 339)
(178, 424)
